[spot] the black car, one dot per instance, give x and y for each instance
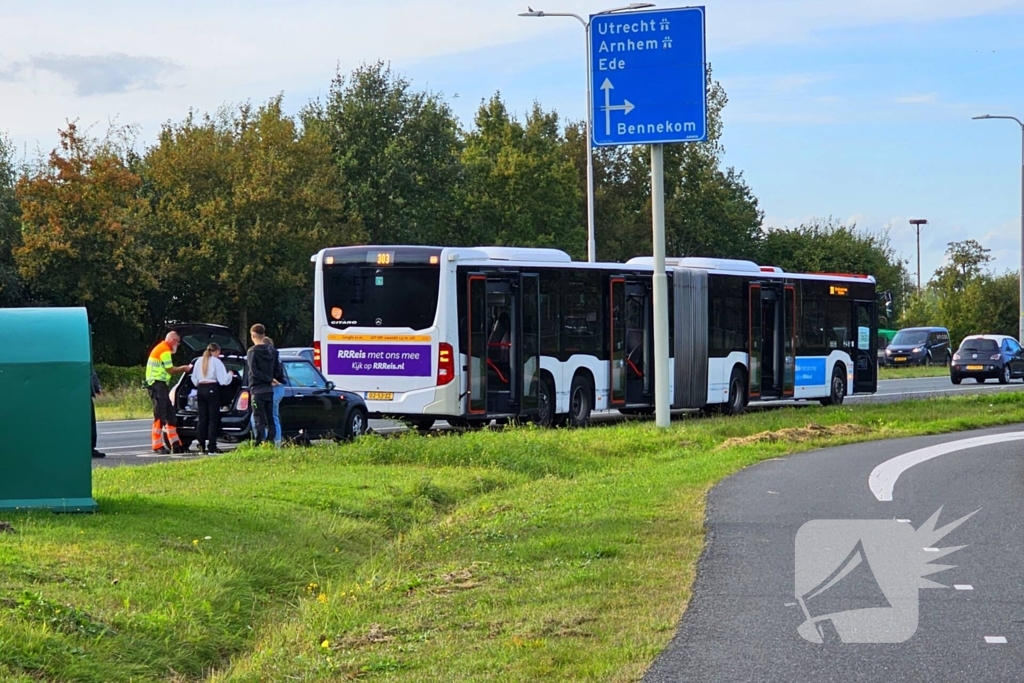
(312, 408)
(918, 346)
(985, 356)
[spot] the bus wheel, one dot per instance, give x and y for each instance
(580, 402)
(837, 391)
(422, 424)
(737, 393)
(545, 416)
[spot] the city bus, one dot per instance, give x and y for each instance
(470, 335)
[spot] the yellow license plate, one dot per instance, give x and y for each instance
(975, 367)
(900, 360)
(380, 395)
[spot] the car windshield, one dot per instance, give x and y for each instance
(979, 345)
(910, 338)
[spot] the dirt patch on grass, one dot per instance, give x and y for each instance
(797, 434)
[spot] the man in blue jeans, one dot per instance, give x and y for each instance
(264, 373)
(278, 394)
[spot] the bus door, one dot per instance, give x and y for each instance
(631, 339)
(865, 364)
(504, 343)
(772, 362)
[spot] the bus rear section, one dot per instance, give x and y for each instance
(377, 333)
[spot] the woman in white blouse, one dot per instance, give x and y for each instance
(208, 375)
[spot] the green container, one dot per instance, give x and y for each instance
(45, 412)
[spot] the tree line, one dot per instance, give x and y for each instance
(966, 297)
(217, 219)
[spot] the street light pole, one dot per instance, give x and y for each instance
(591, 228)
(1020, 327)
(917, 223)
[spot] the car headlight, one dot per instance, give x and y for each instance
(995, 356)
(917, 350)
(888, 352)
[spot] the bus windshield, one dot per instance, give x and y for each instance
(365, 295)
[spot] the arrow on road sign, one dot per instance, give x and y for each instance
(608, 107)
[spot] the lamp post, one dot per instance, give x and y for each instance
(591, 232)
(1020, 328)
(917, 223)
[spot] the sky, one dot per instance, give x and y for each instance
(860, 111)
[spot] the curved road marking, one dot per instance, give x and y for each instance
(883, 478)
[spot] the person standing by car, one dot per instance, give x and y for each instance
(278, 391)
(96, 391)
(159, 369)
(263, 364)
(208, 377)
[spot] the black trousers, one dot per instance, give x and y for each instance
(93, 404)
(163, 410)
(209, 416)
(263, 415)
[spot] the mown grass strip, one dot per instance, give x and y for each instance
(912, 372)
(519, 555)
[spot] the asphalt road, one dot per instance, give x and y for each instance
(741, 624)
(127, 442)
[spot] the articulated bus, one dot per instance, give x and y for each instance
(469, 335)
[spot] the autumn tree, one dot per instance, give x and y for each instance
(11, 293)
(82, 237)
(240, 201)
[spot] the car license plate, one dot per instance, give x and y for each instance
(900, 360)
(975, 367)
(380, 395)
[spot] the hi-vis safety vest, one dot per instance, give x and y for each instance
(159, 363)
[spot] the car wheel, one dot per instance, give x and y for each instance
(580, 402)
(1004, 376)
(837, 388)
(737, 393)
(355, 424)
(545, 416)
(954, 379)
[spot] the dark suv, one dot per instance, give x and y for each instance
(310, 409)
(919, 346)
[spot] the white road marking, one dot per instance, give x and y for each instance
(995, 640)
(931, 550)
(903, 521)
(129, 431)
(963, 586)
(122, 448)
(883, 478)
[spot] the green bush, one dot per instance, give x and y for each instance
(114, 377)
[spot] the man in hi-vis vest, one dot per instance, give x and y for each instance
(159, 369)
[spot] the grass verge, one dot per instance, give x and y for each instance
(913, 372)
(492, 556)
(125, 403)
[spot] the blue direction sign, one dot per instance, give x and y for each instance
(648, 77)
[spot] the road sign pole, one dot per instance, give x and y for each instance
(661, 401)
(591, 220)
